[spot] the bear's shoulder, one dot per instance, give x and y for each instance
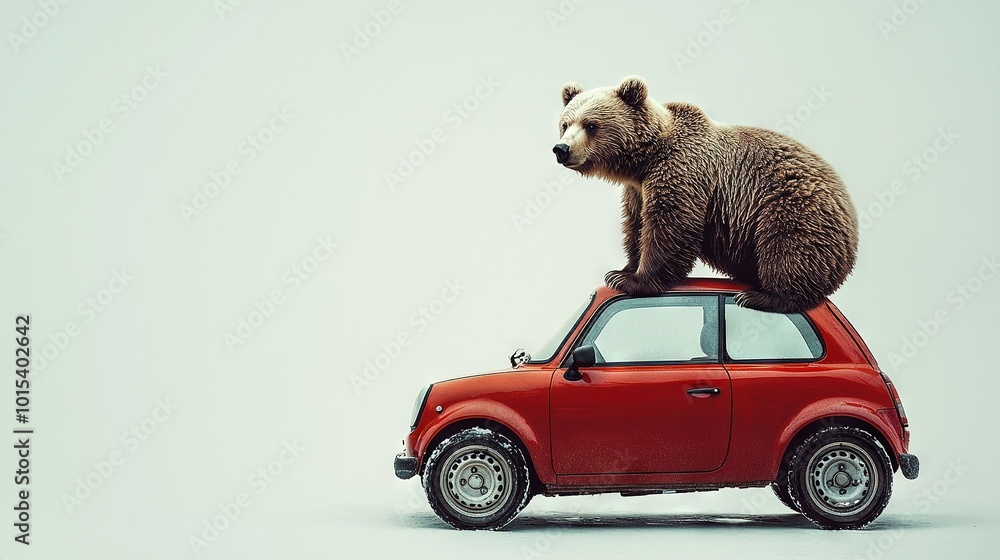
(680, 108)
(688, 115)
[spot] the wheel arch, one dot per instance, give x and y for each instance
(452, 428)
(810, 428)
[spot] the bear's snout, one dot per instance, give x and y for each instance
(562, 152)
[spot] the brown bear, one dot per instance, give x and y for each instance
(751, 203)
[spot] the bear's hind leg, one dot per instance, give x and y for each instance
(794, 266)
(762, 300)
(806, 242)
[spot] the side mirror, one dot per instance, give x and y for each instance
(583, 356)
(519, 357)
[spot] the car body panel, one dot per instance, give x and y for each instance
(640, 419)
(514, 399)
(597, 436)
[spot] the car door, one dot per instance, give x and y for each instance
(775, 364)
(657, 400)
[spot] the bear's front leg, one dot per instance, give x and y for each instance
(631, 233)
(670, 241)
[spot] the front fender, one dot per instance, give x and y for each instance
(489, 411)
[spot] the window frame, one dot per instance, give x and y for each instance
(591, 322)
(727, 359)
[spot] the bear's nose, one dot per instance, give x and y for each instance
(562, 152)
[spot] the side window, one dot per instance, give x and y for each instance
(756, 335)
(657, 329)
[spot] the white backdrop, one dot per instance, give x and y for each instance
(217, 213)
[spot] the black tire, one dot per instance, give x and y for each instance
(477, 479)
(780, 489)
(840, 478)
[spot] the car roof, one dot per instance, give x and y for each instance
(700, 284)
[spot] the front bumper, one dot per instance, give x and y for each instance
(909, 465)
(406, 467)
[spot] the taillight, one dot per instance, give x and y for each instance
(895, 399)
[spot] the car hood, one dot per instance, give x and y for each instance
(512, 373)
(507, 375)
(496, 385)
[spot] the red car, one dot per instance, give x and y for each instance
(679, 392)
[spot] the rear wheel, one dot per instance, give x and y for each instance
(477, 479)
(840, 478)
(780, 489)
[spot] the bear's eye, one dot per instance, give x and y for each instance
(591, 127)
(563, 127)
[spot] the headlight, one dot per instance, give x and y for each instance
(418, 406)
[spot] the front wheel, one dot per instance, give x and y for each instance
(840, 478)
(477, 479)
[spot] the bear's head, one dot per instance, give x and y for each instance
(608, 132)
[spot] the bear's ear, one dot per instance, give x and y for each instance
(633, 91)
(569, 91)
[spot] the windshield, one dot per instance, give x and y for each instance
(547, 351)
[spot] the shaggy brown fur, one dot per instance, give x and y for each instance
(751, 203)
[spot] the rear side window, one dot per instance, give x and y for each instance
(756, 335)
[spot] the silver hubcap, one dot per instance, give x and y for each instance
(475, 481)
(842, 479)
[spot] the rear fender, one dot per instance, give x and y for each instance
(834, 412)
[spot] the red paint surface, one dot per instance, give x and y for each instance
(632, 427)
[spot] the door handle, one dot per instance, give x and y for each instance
(704, 391)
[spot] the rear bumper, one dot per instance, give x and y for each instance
(406, 467)
(909, 465)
